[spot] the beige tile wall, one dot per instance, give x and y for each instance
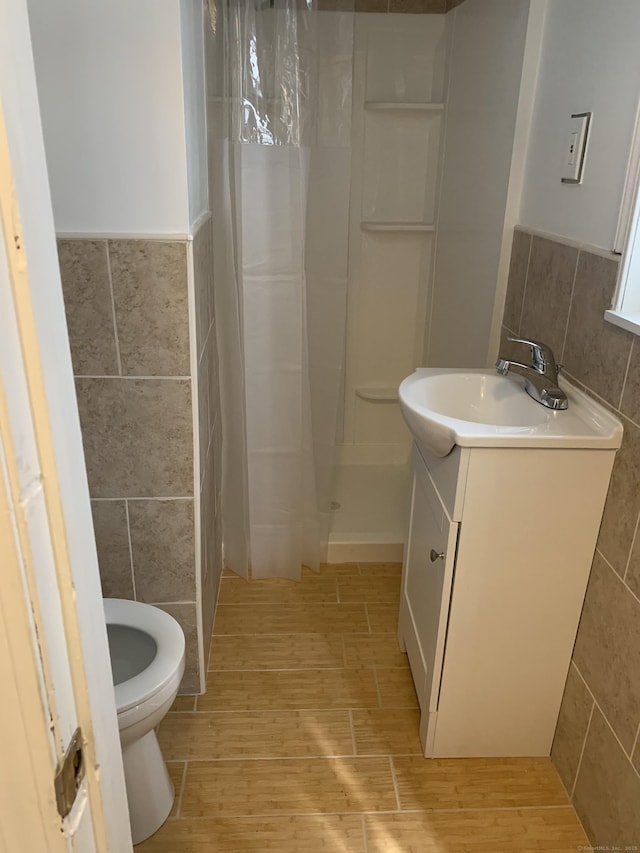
(558, 293)
(127, 304)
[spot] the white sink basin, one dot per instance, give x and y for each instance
(479, 408)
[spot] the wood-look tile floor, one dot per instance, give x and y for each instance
(307, 739)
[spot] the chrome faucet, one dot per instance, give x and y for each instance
(541, 376)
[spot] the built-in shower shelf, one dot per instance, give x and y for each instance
(397, 226)
(403, 105)
(378, 395)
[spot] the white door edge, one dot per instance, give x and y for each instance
(44, 503)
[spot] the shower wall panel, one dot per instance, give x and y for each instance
(398, 93)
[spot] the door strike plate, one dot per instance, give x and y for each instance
(69, 774)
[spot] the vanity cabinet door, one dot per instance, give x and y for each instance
(426, 589)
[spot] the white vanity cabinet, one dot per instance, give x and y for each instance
(500, 547)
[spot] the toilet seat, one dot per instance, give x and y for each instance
(169, 640)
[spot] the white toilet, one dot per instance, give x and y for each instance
(147, 660)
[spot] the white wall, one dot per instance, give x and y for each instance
(193, 21)
(488, 51)
(110, 85)
(590, 61)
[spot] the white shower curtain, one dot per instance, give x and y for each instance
(277, 457)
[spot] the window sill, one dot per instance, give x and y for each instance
(630, 322)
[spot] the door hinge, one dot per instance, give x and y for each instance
(69, 774)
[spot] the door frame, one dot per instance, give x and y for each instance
(54, 659)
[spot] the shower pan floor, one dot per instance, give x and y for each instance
(371, 513)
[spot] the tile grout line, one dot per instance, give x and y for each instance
(354, 746)
(144, 497)
(296, 602)
(373, 813)
(635, 742)
(129, 376)
(628, 563)
(255, 759)
(524, 289)
(391, 634)
(366, 613)
(183, 783)
(617, 574)
(332, 757)
(584, 743)
(626, 373)
(308, 709)
(263, 711)
(395, 782)
(566, 326)
(604, 716)
(375, 678)
(363, 826)
(513, 332)
(113, 315)
(293, 668)
(133, 574)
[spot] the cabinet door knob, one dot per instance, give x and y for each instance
(435, 555)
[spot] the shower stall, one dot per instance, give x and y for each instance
(324, 132)
(399, 74)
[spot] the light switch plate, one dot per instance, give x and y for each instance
(575, 148)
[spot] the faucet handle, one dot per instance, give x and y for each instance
(541, 354)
